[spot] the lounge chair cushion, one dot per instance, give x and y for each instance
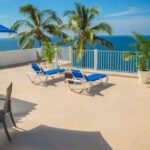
(94, 77)
(35, 67)
(54, 71)
(38, 69)
(77, 74)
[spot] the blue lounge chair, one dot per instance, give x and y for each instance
(79, 77)
(41, 74)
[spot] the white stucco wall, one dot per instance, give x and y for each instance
(18, 56)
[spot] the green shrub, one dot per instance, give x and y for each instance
(49, 51)
(143, 49)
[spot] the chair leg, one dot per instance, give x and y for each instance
(89, 88)
(106, 79)
(12, 119)
(71, 86)
(6, 131)
(45, 81)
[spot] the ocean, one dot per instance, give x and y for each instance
(9, 44)
(121, 43)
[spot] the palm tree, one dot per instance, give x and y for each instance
(37, 26)
(80, 22)
(142, 46)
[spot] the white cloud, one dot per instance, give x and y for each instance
(6, 35)
(126, 26)
(3, 16)
(129, 11)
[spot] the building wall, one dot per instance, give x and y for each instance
(8, 58)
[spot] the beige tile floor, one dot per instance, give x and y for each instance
(116, 116)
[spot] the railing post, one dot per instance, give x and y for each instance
(95, 59)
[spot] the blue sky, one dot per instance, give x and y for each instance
(124, 16)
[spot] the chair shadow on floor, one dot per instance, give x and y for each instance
(54, 81)
(95, 90)
(20, 109)
(50, 138)
(148, 83)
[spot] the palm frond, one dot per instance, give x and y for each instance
(52, 29)
(129, 55)
(47, 13)
(51, 15)
(78, 9)
(103, 42)
(32, 12)
(72, 26)
(138, 37)
(103, 27)
(69, 12)
(29, 44)
(94, 11)
(55, 30)
(25, 38)
(69, 39)
(91, 18)
(22, 24)
(56, 18)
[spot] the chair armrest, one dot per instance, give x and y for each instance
(33, 73)
(74, 80)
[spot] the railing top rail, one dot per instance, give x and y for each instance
(112, 51)
(115, 51)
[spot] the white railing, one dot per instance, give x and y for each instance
(18, 56)
(94, 59)
(63, 56)
(114, 61)
(89, 61)
(105, 60)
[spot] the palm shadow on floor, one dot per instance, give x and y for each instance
(50, 138)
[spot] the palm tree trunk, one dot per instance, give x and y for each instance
(84, 56)
(40, 43)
